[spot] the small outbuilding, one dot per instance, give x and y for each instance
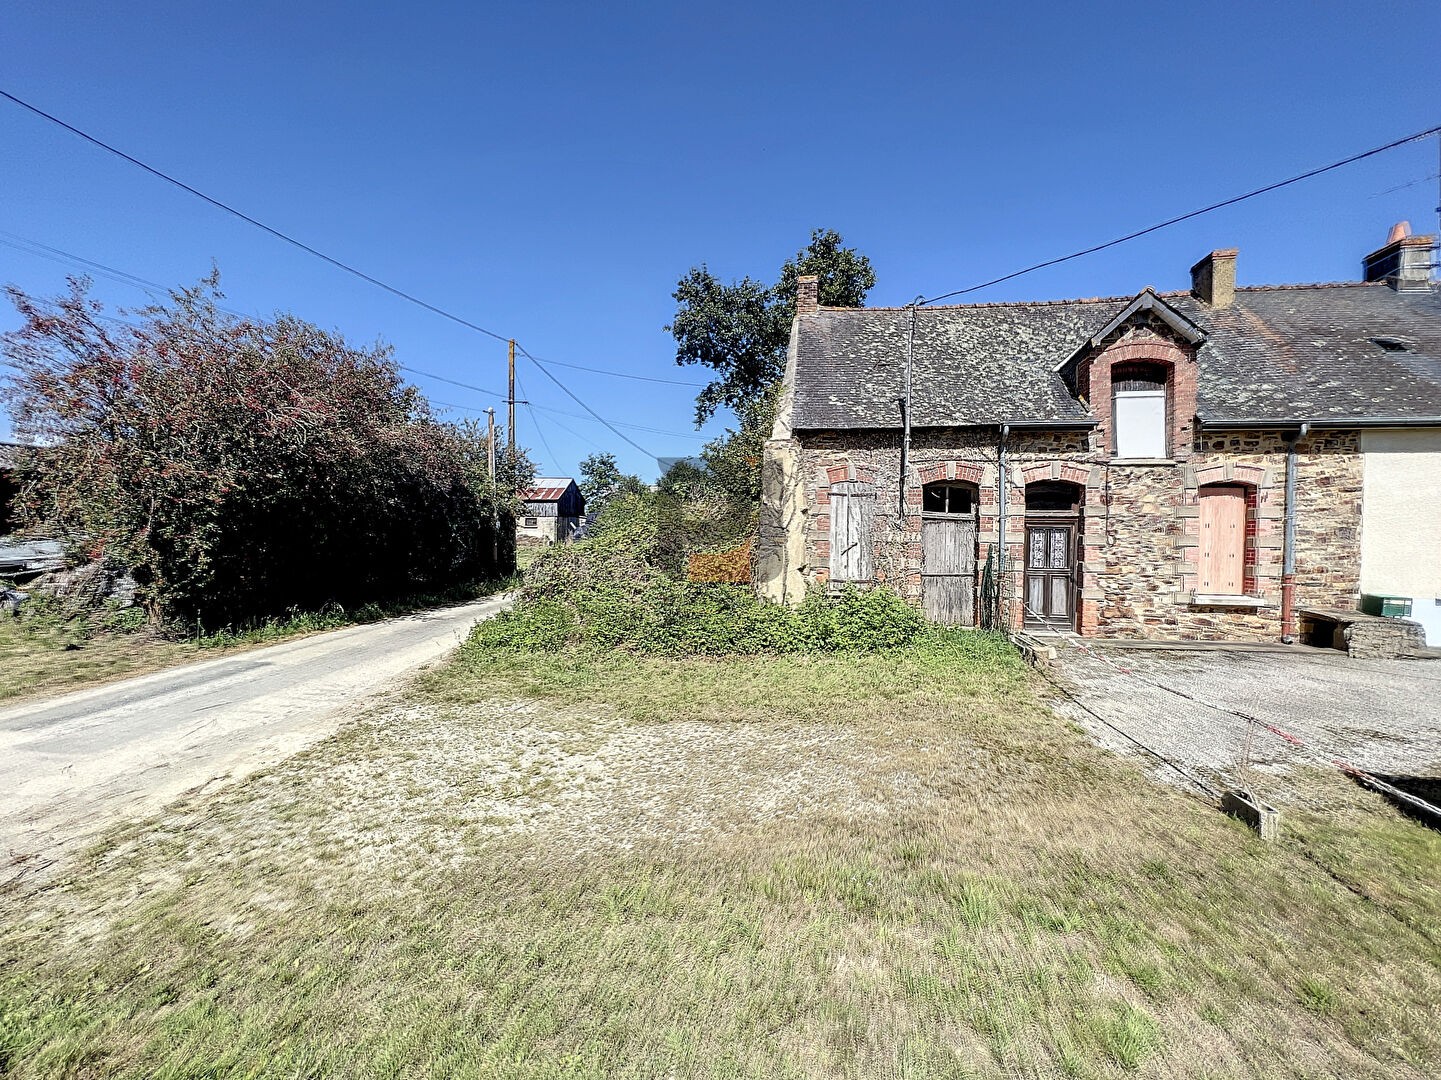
(551, 511)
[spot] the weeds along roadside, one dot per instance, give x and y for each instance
(47, 649)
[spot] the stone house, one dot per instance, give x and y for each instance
(1170, 465)
(551, 510)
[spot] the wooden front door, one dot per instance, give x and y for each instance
(948, 570)
(1051, 574)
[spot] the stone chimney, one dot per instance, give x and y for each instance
(808, 294)
(1213, 279)
(1404, 262)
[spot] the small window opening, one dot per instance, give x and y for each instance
(1053, 497)
(530, 523)
(947, 499)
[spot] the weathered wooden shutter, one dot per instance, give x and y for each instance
(1222, 570)
(852, 506)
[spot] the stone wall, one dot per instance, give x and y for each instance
(1140, 522)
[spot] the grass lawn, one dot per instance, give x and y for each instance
(47, 657)
(525, 554)
(583, 865)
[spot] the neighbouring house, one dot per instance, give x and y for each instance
(1202, 464)
(551, 511)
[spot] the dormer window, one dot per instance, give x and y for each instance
(1138, 416)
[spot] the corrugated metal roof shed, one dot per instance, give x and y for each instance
(547, 489)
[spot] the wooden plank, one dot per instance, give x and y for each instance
(950, 600)
(1222, 564)
(948, 570)
(851, 536)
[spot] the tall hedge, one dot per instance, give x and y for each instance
(239, 467)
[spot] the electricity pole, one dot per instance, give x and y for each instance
(490, 440)
(510, 429)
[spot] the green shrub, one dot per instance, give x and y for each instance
(541, 625)
(633, 608)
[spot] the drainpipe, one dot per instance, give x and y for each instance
(1003, 583)
(1288, 549)
(906, 412)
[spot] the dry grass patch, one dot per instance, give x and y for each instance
(602, 865)
(53, 658)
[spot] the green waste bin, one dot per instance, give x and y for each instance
(1393, 607)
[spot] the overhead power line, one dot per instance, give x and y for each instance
(60, 255)
(278, 234)
(568, 392)
(1191, 214)
(294, 242)
(547, 408)
(453, 382)
(624, 375)
(46, 251)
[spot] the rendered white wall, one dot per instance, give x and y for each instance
(1401, 520)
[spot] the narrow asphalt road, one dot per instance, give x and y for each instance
(69, 766)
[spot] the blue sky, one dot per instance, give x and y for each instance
(549, 170)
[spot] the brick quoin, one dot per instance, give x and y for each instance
(823, 523)
(823, 496)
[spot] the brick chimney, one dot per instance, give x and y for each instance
(1213, 279)
(1404, 262)
(808, 294)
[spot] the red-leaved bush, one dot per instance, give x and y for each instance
(242, 467)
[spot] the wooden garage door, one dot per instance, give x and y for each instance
(1222, 570)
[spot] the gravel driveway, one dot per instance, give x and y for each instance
(1311, 709)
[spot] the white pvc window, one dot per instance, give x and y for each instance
(1140, 422)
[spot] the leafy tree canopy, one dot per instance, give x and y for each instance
(601, 481)
(740, 330)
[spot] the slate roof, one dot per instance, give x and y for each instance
(1278, 353)
(547, 489)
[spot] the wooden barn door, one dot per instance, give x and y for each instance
(948, 570)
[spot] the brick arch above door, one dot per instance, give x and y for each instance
(1087, 476)
(963, 472)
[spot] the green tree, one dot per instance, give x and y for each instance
(740, 330)
(733, 460)
(601, 481)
